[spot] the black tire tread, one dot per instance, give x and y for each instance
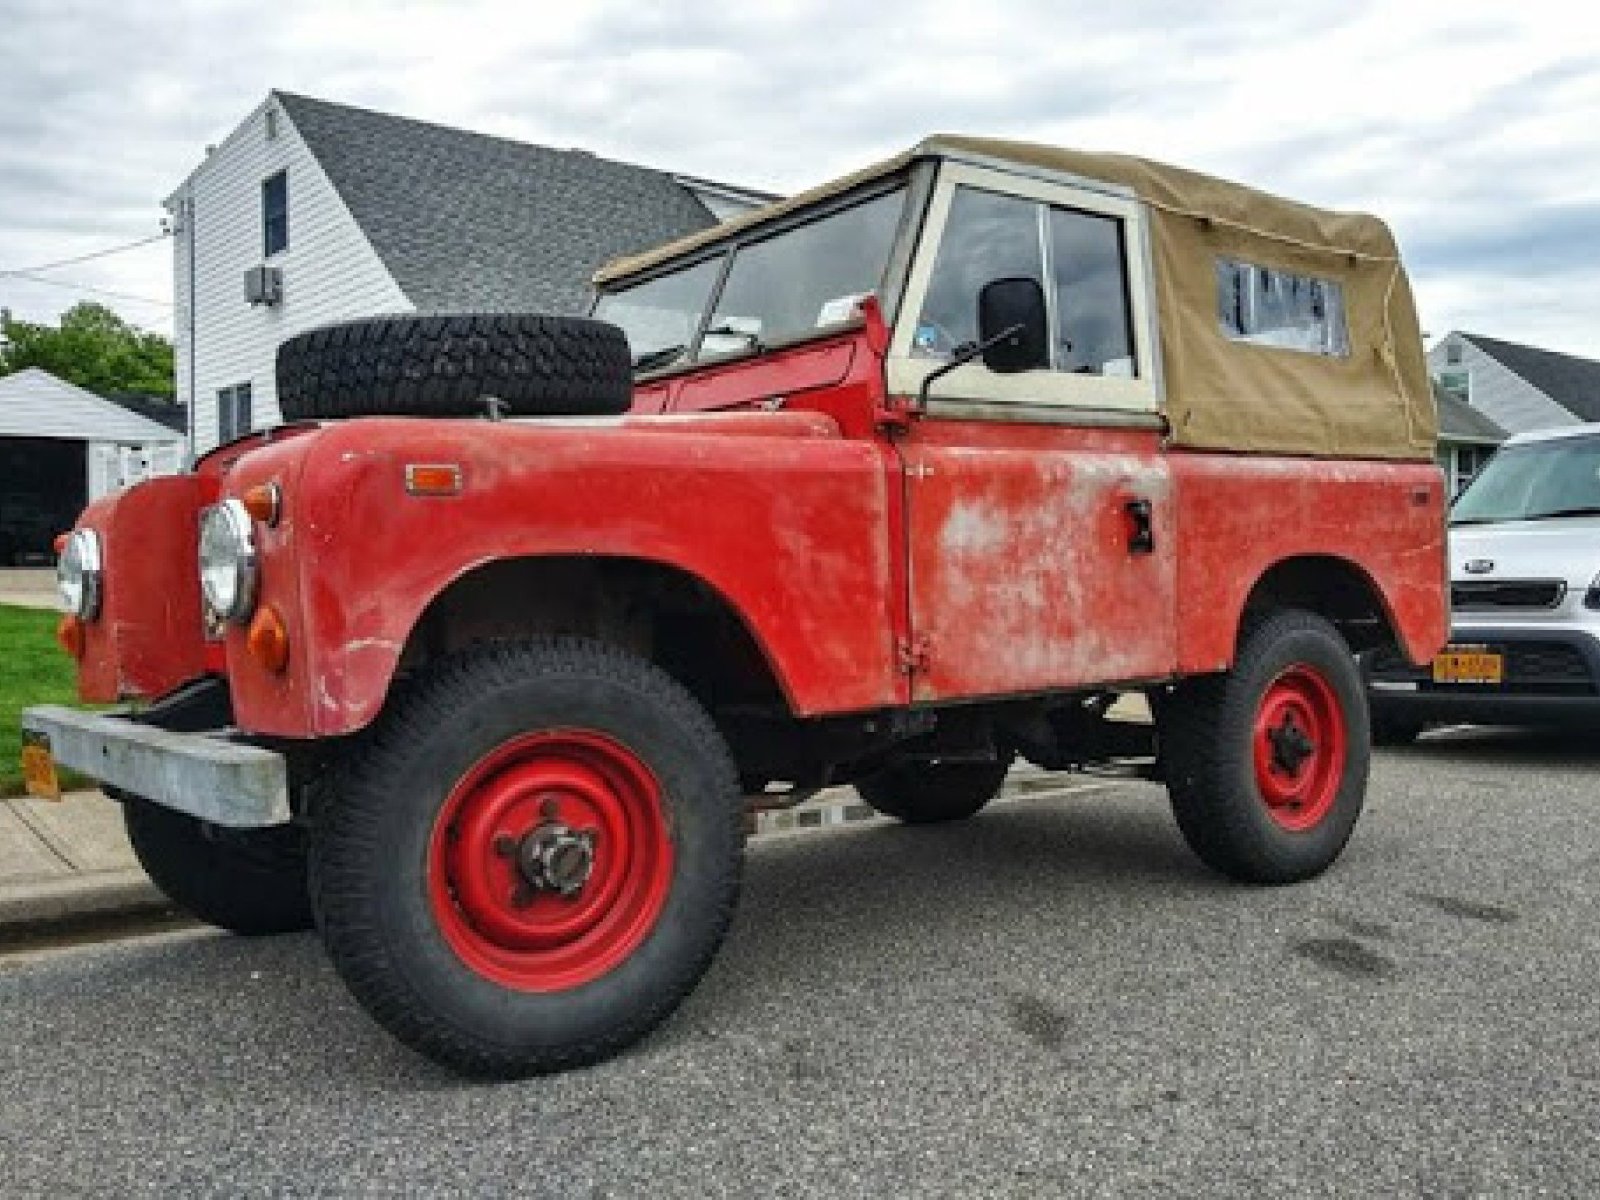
(342, 892)
(250, 884)
(444, 365)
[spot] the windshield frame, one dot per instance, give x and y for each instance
(915, 181)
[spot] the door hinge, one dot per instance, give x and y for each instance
(913, 655)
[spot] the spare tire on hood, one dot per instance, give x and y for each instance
(535, 364)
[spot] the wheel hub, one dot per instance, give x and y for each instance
(551, 860)
(1299, 742)
(1291, 746)
(554, 858)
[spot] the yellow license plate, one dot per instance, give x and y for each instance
(1457, 664)
(39, 767)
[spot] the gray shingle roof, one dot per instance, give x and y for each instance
(467, 221)
(1460, 422)
(1572, 382)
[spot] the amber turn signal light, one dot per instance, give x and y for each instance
(69, 632)
(268, 640)
(433, 479)
(264, 502)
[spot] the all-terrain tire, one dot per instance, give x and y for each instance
(927, 793)
(246, 881)
(444, 366)
(1267, 764)
(423, 892)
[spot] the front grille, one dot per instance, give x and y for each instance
(1492, 595)
(1546, 664)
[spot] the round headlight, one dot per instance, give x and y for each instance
(228, 560)
(78, 574)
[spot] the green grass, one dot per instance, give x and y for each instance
(33, 670)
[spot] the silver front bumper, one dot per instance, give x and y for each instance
(202, 774)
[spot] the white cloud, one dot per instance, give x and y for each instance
(1467, 123)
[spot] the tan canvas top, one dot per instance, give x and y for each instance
(1220, 393)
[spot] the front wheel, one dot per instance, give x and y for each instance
(533, 859)
(1267, 764)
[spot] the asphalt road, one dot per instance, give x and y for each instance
(1053, 1000)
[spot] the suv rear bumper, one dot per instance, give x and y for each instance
(203, 774)
(1553, 677)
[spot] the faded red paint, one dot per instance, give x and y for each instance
(994, 557)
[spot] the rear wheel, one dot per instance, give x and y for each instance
(534, 858)
(246, 881)
(1267, 764)
(926, 793)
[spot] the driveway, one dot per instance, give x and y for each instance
(30, 587)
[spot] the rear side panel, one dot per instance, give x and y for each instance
(1239, 515)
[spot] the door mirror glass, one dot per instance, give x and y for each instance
(1015, 305)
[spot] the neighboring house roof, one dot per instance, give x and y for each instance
(1572, 382)
(1460, 422)
(463, 220)
(34, 403)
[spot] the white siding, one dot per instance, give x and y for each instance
(1502, 395)
(330, 270)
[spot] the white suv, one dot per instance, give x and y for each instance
(1524, 595)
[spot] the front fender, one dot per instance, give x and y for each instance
(776, 512)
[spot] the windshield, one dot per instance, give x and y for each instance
(1535, 481)
(802, 280)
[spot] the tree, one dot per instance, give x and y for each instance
(92, 347)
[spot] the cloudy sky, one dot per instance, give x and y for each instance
(1474, 127)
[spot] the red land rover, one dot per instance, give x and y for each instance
(478, 661)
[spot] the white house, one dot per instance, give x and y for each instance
(311, 212)
(1520, 388)
(61, 447)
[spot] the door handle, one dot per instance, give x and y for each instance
(1141, 528)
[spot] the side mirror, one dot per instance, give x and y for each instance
(1013, 326)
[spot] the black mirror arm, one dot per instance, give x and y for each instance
(962, 356)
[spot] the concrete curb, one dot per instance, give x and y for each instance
(95, 896)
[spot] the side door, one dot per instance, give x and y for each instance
(1038, 506)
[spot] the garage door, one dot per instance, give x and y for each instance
(42, 489)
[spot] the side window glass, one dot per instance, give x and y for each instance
(1267, 307)
(987, 236)
(1089, 272)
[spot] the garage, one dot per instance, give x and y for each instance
(61, 447)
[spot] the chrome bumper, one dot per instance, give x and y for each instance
(202, 774)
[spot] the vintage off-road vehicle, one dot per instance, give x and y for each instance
(491, 645)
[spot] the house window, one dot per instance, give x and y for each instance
(233, 413)
(1457, 384)
(1262, 306)
(275, 214)
(1452, 354)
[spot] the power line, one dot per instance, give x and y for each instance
(84, 287)
(82, 258)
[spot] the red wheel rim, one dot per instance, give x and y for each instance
(1299, 743)
(529, 807)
